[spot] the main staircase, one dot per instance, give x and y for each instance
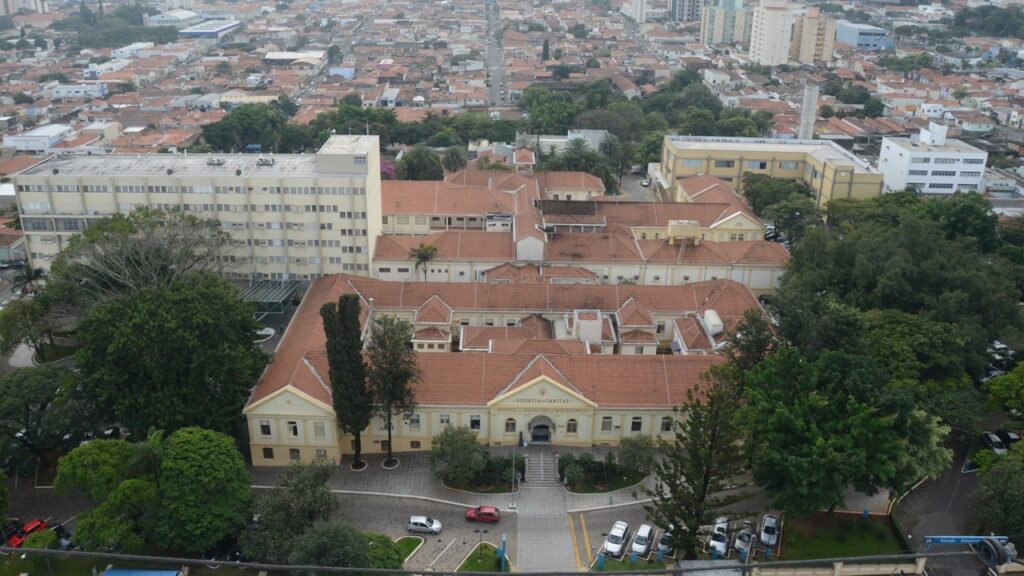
(541, 468)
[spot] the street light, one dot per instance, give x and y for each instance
(480, 545)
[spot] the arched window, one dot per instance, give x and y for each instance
(666, 424)
(510, 425)
(570, 426)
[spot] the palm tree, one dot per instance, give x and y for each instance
(26, 279)
(423, 255)
(454, 159)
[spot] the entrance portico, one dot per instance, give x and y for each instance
(541, 428)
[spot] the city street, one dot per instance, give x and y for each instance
(494, 56)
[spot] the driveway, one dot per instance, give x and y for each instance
(631, 190)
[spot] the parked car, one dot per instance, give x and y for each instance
(615, 543)
(719, 542)
(1008, 436)
(745, 538)
(993, 443)
(769, 530)
(24, 531)
(424, 525)
(643, 540)
(665, 542)
(636, 169)
(227, 550)
(645, 181)
(483, 514)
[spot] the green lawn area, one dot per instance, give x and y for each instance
(406, 545)
(484, 558)
(824, 536)
(624, 565)
(13, 565)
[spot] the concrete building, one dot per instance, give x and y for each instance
(177, 18)
(863, 36)
(771, 33)
(11, 7)
(831, 171)
(813, 38)
(686, 10)
(131, 50)
(931, 163)
(38, 140)
(289, 216)
(726, 23)
(79, 90)
(211, 31)
(562, 364)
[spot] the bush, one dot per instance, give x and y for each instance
(564, 461)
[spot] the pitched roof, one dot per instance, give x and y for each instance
(434, 311)
(634, 314)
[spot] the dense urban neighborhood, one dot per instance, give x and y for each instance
(689, 286)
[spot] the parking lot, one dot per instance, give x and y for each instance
(443, 552)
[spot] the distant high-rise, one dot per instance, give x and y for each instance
(813, 38)
(770, 33)
(11, 7)
(687, 10)
(639, 9)
(727, 22)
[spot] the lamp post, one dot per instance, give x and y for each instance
(480, 544)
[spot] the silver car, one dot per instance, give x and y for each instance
(745, 539)
(424, 525)
(769, 530)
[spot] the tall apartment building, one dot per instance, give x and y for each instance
(770, 33)
(725, 23)
(831, 171)
(813, 37)
(290, 216)
(932, 163)
(686, 10)
(11, 7)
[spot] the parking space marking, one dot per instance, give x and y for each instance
(442, 552)
(575, 544)
(586, 540)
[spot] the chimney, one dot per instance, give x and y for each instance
(808, 111)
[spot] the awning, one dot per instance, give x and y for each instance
(270, 295)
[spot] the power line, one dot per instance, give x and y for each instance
(744, 568)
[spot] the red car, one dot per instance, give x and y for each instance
(16, 539)
(483, 514)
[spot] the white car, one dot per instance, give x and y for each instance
(745, 539)
(615, 543)
(719, 541)
(769, 530)
(424, 525)
(643, 540)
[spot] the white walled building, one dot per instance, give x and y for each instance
(931, 163)
(79, 91)
(771, 33)
(290, 216)
(38, 140)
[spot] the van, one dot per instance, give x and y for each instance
(643, 540)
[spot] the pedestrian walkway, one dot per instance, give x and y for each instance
(543, 536)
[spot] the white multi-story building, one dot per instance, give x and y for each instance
(131, 50)
(931, 163)
(290, 216)
(770, 33)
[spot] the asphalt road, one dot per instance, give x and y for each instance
(631, 190)
(494, 59)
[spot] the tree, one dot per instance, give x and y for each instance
(699, 463)
(162, 247)
(26, 321)
(382, 552)
(353, 404)
(826, 111)
(1008, 389)
(793, 215)
(27, 278)
(392, 370)
(998, 501)
(545, 52)
(456, 455)
(423, 254)
(762, 191)
(454, 159)
(223, 68)
(327, 544)
(420, 163)
(874, 108)
(750, 342)
(38, 407)
(125, 521)
(637, 453)
(204, 490)
(95, 469)
(5, 494)
(300, 499)
(21, 97)
(148, 356)
(334, 54)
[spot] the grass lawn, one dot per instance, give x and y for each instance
(824, 536)
(406, 545)
(484, 558)
(624, 565)
(13, 565)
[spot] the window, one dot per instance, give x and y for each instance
(446, 419)
(945, 160)
(293, 428)
(974, 161)
(319, 431)
(415, 444)
(638, 350)
(692, 163)
(637, 424)
(666, 423)
(920, 160)
(510, 425)
(570, 426)
(294, 455)
(756, 165)
(414, 422)
(360, 160)
(489, 322)
(510, 322)
(725, 163)
(970, 174)
(789, 165)
(265, 428)
(474, 422)
(918, 172)
(661, 326)
(321, 454)
(268, 453)
(940, 186)
(606, 424)
(943, 172)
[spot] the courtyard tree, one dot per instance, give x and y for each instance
(95, 469)
(26, 321)
(456, 455)
(423, 254)
(454, 159)
(149, 357)
(700, 462)
(420, 163)
(998, 501)
(330, 544)
(38, 407)
(350, 395)
(125, 521)
(300, 499)
(636, 453)
(392, 371)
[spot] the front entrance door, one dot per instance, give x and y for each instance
(541, 429)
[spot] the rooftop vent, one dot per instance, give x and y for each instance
(56, 171)
(170, 171)
(215, 162)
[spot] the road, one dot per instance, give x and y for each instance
(494, 56)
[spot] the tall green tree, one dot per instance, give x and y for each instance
(420, 163)
(95, 469)
(26, 321)
(454, 159)
(545, 52)
(699, 463)
(328, 544)
(38, 407)
(392, 370)
(456, 455)
(423, 255)
(147, 357)
(353, 403)
(998, 501)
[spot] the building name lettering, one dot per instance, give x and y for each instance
(541, 400)
(582, 411)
